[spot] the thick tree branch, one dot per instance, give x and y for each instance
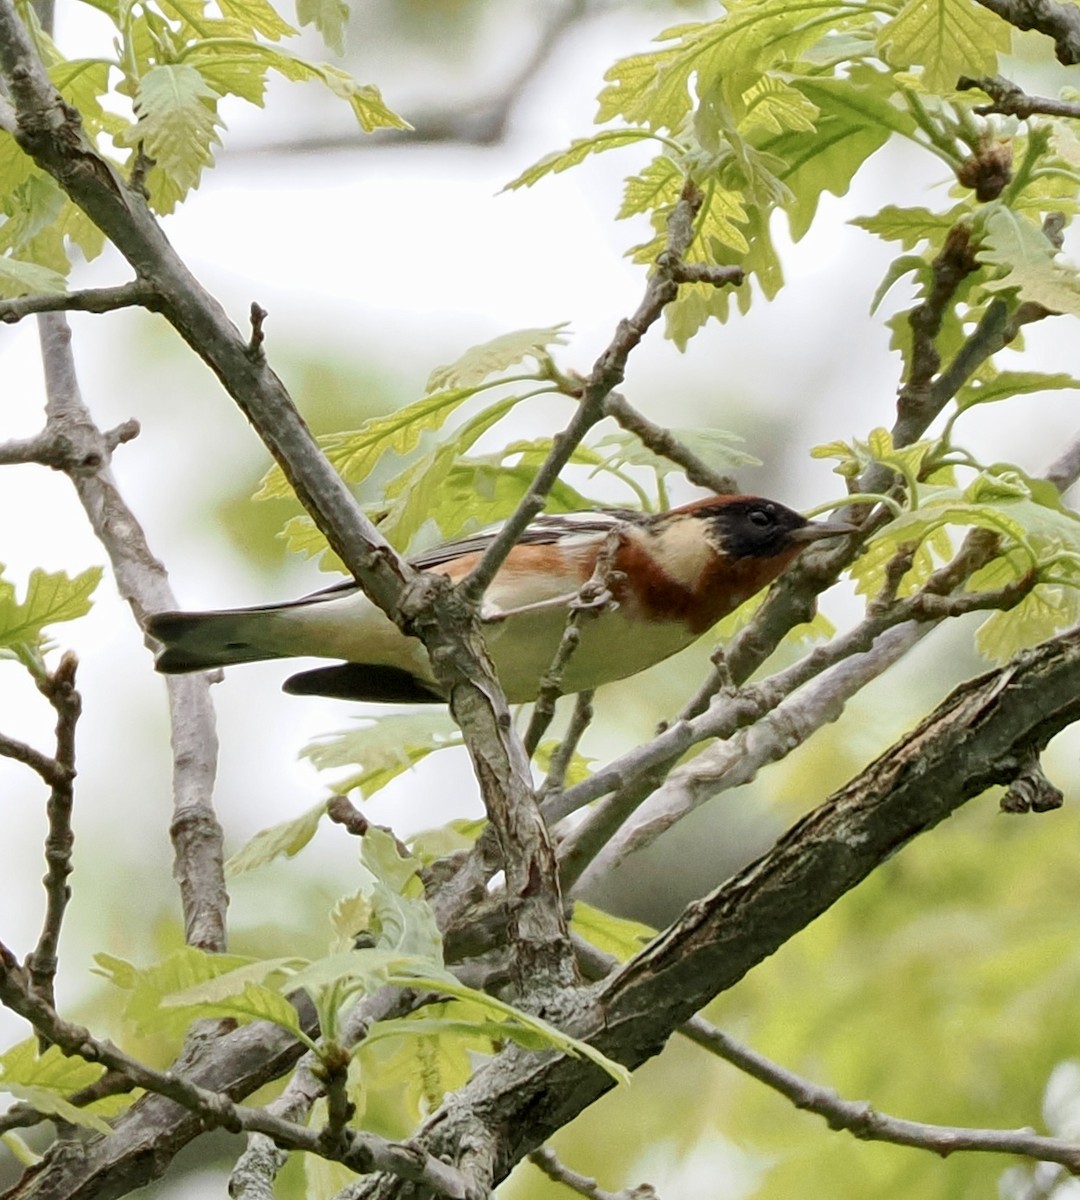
(866, 1123)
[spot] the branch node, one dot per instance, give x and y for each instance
(1030, 790)
(255, 350)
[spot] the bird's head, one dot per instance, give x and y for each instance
(753, 527)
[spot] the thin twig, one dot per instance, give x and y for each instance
(864, 1122)
(59, 688)
(594, 598)
(546, 1160)
(93, 300)
(48, 768)
(1013, 101)
(661, 441)
(563, 754)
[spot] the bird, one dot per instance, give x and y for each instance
(669, 577)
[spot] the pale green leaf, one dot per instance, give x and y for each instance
(579, 768)
(240, 67)
(657, 89)
(283, 840)
(856, 117)
(774, 106)
(1046, 610)
(1021, 250)
(359, 970)
(414, 492)
(906, 264)
(487, 1030)
(498, 354)
(329, 18)
(1005, 384)
(447, 984)
(657, 186)
(355, 454)
(217, 989)
(350, 916)
(20, 278)
(617, 936)
(577, 152)
(257, 16)
(45, 1080)
(24, 1063)
(715, 447)
(46, 1101)
(178, 123)
(31, 207)
(402, 920)
(148, 986)
(234, 74)
(909, 226)
(947, 38)
(50, 597)
(254, 1003)
(380, 749)
(365, 100)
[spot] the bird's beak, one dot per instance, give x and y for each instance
(821, 529)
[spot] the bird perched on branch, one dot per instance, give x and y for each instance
(663, 579)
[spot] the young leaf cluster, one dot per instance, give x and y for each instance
(154, 106)
(773, 104)
(1037, 535)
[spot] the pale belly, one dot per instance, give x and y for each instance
(611, 647)
(521, 647)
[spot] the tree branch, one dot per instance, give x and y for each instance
(864, 1122)
(1058, 21)
(137, 293)
(1010, 100)
(59, 689)
(661, 441)
(77, 446)
(595, 390)
(547, 1160)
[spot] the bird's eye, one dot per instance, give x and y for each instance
(761, 518)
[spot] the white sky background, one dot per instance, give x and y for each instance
(405, 257)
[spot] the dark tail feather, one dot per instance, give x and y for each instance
(200, 641)
(363, 681)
